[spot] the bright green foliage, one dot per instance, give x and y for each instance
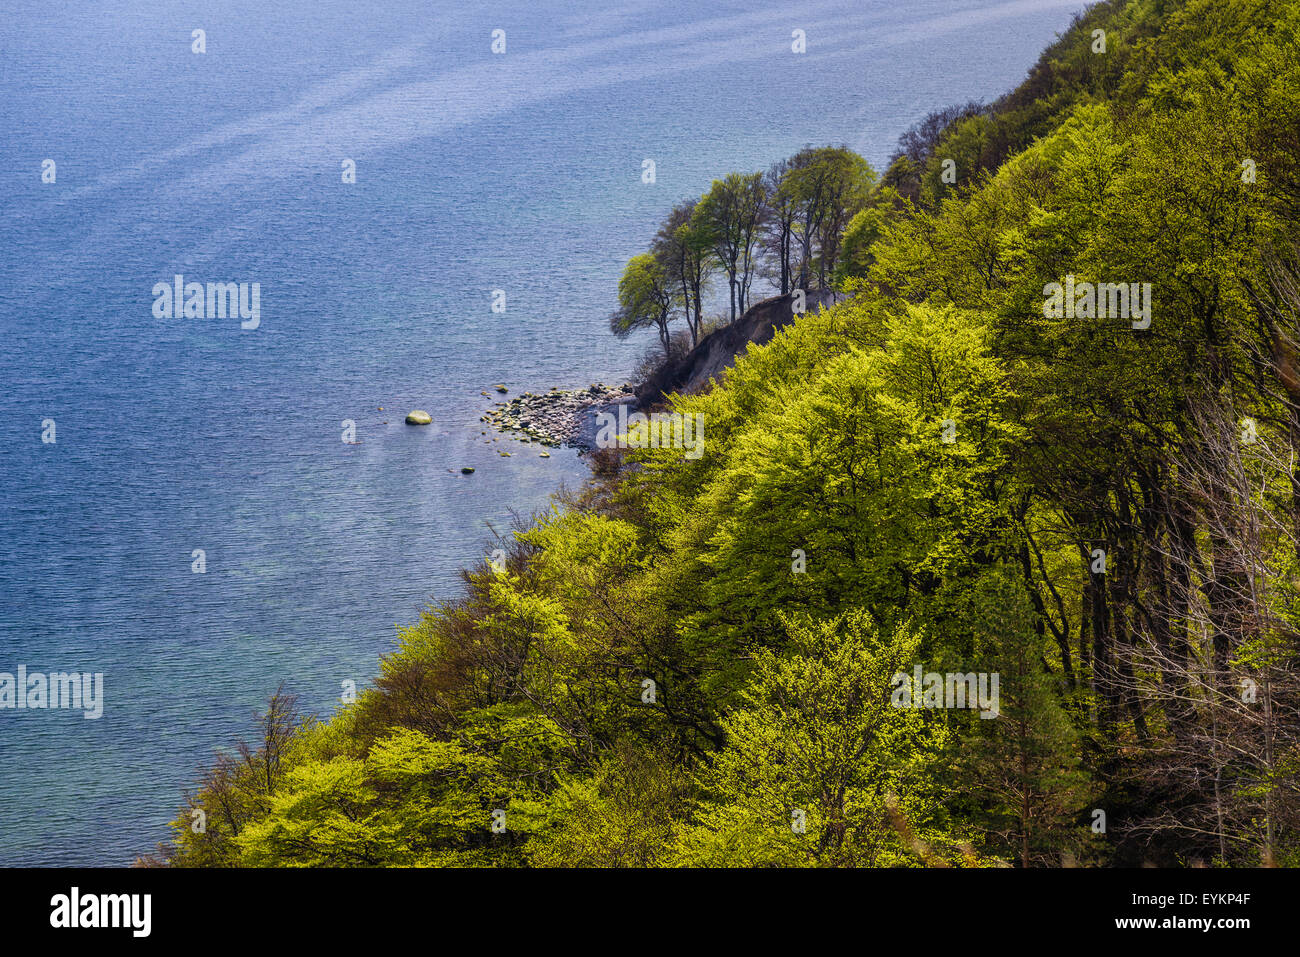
(852, 468)
(646, 295)
(411, 801)
(621, 815)
(819, 768)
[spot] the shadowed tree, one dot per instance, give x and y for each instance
(729, 215)
(685, 253)
(828, 186)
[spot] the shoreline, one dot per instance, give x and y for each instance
(559, 417)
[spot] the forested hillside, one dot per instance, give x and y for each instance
(998, 459)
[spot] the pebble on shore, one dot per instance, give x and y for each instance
(553, 418)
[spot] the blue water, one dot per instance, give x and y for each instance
(475, 172)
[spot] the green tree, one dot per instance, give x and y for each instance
(828, 186)
(684, 250)
(729, 216)
(645, 296)
(819, 767)
(1024, 768)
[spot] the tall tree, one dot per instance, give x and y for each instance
(685, 252)
(645, 297)
(778, 226)
(828, 186)
(819, 767)
(1023, 768)
(730, 214)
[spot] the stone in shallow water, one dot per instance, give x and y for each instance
(418, 417)
(467, 470)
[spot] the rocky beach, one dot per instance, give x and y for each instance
(557, 417)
